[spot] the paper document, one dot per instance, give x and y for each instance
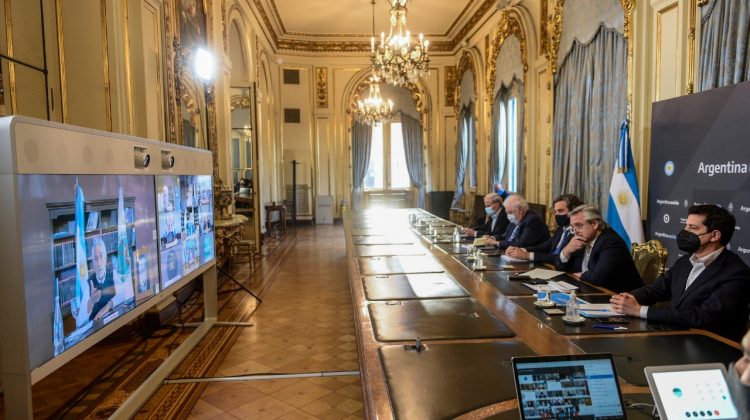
(512, 259)
(479, 242)
(593, 310)
(562, 286)
(540, 273)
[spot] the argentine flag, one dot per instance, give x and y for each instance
(624, 209)
(80, 303)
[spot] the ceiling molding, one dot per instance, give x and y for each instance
(294, 42)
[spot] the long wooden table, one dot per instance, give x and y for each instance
(376, 239)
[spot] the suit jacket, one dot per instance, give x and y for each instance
(531, 231)
(717, 300)
(500, 225)
(544, 251)
(610, 264)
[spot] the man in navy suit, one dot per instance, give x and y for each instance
(526, 228)
(709, 286)
(598, 252)
(497, 219)
(547, 250)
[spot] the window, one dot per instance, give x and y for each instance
(387, 168)
(509, 155)
(470, 150)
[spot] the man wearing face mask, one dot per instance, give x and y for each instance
(497, 220)
(709, 287)
(526, 228)
(546, 251)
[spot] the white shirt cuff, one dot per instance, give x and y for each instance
(531, 256)
(644, 312)
(563, 258)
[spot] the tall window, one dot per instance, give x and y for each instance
(387, 167)
(469, 135)
(509, 155)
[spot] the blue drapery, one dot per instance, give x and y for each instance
(361, 146)
(495, 171)
(461, 156)
(725, 35)
(411, 130)
(590, 104)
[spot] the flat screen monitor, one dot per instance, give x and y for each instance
(691, 391)
(186, 224)
(569, 386)
(89, 254)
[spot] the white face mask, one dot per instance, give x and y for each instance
(489, 211)
(512, 218)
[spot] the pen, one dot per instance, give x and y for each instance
(609, 327)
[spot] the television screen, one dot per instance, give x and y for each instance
(186, 224)
(90, 254)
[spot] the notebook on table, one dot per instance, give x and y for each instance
(697, 391)
(568, 386)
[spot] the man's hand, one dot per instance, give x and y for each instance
(491, 240)
(625, 303)
(470, 232)
(516, 252)
(576, 243)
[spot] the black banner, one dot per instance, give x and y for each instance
(700, 153)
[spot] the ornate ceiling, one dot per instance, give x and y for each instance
(325, 26)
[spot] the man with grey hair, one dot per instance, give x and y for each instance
(101, 280)
(598, 252)
(496, 221)
(526, 228)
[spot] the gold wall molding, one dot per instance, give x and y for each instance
(61, 58)
(224, 29)
(321, 87)
(465, 64)
(690, 88)
(510, 24)
(128, 69)
(11, 65)
(543, 28)
(450, 85)
(556, 33)
(105, 59)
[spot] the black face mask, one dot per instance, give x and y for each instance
(562, 220)
(688, 241)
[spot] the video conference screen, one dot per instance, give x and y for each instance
(186, 224)
(90, 254)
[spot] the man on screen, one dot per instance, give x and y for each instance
(709, 286)
(101, 281)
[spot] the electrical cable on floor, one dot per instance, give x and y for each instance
(264, 376)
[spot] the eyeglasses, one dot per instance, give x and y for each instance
(579, 225)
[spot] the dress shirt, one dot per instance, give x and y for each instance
(564, 239)
(699, 264)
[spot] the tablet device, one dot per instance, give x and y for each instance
(568, 386)
(691, 391)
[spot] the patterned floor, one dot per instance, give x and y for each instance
(304, 325)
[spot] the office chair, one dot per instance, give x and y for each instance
(650, 260)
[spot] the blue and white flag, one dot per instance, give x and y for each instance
(624, 209)
(123, 277)
(80, 303)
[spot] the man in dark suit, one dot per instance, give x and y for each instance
(547, 250)
(709, 287)
(497, 219)
(526, 228)
(598, 250)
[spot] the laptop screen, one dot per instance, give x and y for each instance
(691, 392)
(571, 386)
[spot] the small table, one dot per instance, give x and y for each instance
(228, 232)
(281, 209)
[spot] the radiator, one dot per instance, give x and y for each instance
(304, 200)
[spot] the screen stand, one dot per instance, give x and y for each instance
(135, 401)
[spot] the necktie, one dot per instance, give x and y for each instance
(586, 257)
(564, 239)
(513, 234)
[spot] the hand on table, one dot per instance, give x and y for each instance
(470, 232)
(490, 240)
(516, 252)
(625, 303)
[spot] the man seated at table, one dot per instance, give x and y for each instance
(547, 250)
(598, 250)
(526, 228)
(709, 286)
(496, 220)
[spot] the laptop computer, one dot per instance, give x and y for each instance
(569, 386)
(696, 391)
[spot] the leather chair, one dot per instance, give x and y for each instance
(650, 259)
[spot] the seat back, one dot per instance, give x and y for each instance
(477, 215)
(650, 259)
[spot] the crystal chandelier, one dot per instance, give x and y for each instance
(374, 110)
(397, 59)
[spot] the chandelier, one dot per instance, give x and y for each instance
(374, 110)
(398, 59)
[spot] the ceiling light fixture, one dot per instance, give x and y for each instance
(373, 109)
(397, 59)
